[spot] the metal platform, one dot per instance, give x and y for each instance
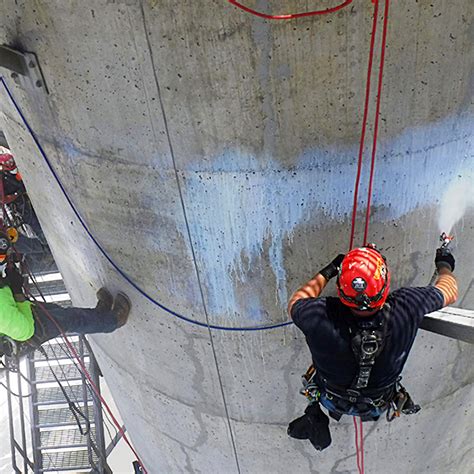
(451, 322)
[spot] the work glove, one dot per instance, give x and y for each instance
(444, 259)
(331, 270)
(16, 280)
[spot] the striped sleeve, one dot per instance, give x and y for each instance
(412, 304)
(447, 284)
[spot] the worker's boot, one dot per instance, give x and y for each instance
(121, 308)
(313, 425)
(299, 428)
(319, 434)
(105, 300)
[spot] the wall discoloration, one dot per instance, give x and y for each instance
(240, 213)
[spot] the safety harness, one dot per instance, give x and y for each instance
(368, 341)
(368, 338)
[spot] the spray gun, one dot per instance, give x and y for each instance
(445, 240)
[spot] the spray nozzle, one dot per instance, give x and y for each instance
(445, 240)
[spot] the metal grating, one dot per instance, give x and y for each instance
(63, 372)
(55, 395)
(48, 288)
(58, 416)
(68, 437)
(71, 459)
(57, 351)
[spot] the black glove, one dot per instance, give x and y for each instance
(444, 259)
(15, 280)
(332, 269)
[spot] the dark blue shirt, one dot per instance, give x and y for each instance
(326, 321)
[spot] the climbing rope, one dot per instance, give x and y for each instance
(359, 437)
(360, 449)
(377, 114)
(364, 122)
(356, 434)
(290, 16)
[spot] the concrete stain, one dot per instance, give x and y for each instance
(235, 208)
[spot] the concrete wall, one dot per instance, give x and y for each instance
(213, 155)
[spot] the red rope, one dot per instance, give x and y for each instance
(356, 431)
(289, 16)
(359, 435)
(364, 121)
(377, 113)
(91, 382)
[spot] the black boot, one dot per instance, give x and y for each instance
(313, 425)
(320, 436)
(121, 309)
(105, 300)
(299, 428)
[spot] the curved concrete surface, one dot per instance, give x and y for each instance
(212, 155)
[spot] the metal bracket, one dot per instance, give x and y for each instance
(23, 65)
(13, 60)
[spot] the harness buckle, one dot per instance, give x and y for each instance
(353, 395)
(369, 345)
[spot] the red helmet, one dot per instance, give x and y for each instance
(363, 282)
(7, 162)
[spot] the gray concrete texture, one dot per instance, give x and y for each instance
(212, 155)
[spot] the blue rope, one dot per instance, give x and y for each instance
(105, 254)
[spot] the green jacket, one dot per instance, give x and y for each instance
(16, 319)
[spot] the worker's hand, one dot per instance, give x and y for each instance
(444, 259)
(15, 280)
(331, 270)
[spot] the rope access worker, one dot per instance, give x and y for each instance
(360, 341)
(33, 324)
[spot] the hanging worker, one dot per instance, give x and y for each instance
(30, 324)
(360, 341)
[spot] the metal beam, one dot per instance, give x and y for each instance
(13, 60)
(115, 441)
(24, 67)
(11, 425)
(34, 416)
(456, 323)
(24, 455)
